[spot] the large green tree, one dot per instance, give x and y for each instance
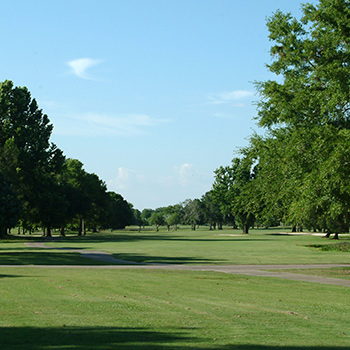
(302, 160)
(27, 156)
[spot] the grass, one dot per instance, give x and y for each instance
(133, 309)
(140, 310)
(188, 247)
(336, 272)
(338, 247)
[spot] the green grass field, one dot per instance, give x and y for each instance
(185, 247)
(82, 308)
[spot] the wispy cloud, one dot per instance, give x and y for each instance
(94, 124)
(229, 97)
(80, 66)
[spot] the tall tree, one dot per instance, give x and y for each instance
(27, 156)
(306, 110)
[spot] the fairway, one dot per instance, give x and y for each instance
(200, 247)
(60, 308)
(134, 309)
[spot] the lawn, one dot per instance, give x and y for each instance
(134, 309)
(187, 247)
(45, 308)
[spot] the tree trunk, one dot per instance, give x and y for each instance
(48, 232)
(245, 229)
(336, 236)
(2, 232)
(62, 234)
(327, 235)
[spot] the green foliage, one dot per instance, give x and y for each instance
(9, 205)
(232, 189)
(51, 191)
(335, 247)
(301, 164)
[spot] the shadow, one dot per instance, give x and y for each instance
(45, 258)
(147, 259)
(10, 276)
(135, 237)
(92, 338)
(108, 338)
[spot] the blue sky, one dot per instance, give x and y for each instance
(151, 95)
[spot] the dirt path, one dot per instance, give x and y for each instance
(252, 270)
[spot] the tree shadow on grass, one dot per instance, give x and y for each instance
(107, 338)
(45, 258)
(149, 259)
(52, 257)
(9, 276)
(134, 237)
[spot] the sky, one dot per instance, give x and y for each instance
(150, 95)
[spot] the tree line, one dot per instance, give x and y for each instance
(39, 186)
(298, 172)
(191, 212)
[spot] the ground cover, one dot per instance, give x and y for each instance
(228, 246)
(45, 308)
(334, 272)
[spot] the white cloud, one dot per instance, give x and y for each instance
(172, 185)
(124, 178)
(229, 97)
(185, 174)
(80, 66)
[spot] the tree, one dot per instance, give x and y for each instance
(145, 216)
(120, 212)
(26, 155)
(157, 219)
(312, 58)
(9, 205)
(193, 212)
(232, 189)
(306, 111)
(212, 212)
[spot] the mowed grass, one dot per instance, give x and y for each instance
(133, 309)
(335, 272)
(71, 308)
(273, 246)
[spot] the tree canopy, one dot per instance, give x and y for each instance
(38, 185)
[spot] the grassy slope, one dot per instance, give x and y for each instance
(132, 309)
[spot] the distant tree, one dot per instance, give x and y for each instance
(120, 212)
(212, 212)
(232, 189)
(193, 212)
(146, 215)
(137, 219)
(157, 219)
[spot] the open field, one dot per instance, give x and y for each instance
(134, 309)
